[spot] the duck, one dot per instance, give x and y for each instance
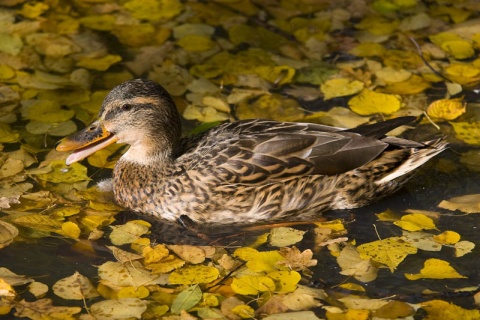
(244, 171)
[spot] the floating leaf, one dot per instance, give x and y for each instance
(439, 309)
(284, 237)
(186, 299)
(118, 309)
(435, 269)
(353, 265)
(421, 240)
(38, 289)
(155, 254)
(130, 274)
(390, 251)
(463, 247)
(76, 172)
(415, 222)
(75, 287)
(469, 203)
(258, 261)
(252, 285)
(128, 232)
(48, 111)
(369, 102)
(447, 237)
(43, 309)
(8, 232)
(286, 280)
(448, 109)
(296, 260)
(192, 254)
(71, 230)
(193, 275)
(99, 64)
(340, 87)
(6, 290)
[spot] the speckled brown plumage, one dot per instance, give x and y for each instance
(244, 171)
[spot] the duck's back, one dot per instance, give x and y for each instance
(258, 169)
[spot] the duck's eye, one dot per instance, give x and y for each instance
(126, 107)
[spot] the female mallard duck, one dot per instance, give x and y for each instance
(244, 171)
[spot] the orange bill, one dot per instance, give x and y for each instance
(85, 142)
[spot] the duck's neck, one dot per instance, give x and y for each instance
(150, 153)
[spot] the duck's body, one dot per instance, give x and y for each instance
(244, 171)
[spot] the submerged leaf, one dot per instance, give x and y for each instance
(469, 203)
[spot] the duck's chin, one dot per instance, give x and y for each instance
(84, 152)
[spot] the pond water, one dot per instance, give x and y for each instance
(253, 59)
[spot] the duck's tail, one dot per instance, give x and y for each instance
(418, 157)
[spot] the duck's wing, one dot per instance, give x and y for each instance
(255, 151)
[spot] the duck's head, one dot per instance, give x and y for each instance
(139, 113)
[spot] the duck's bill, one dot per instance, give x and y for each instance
(86, 142)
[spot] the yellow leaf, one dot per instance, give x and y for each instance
(99, 64)
(258, 261)
(132, 292)
(6, 290)
(39, 222)
(8, 232)
(334, 225)
(390, 75)
(463, 247)
(244, 311)
(464, 74)
(196, 43)
(126, 308)
(459, 49)
(166, 265)
(340, 87)
(368, 49)
(284, 237)
(103, 22)
(448, 109)
(352, 264)
(131, 274)
(350, 314)
(395, 310)
(252, 285)
(74, 287)
(276, 74)
(38, 289)
(70, 229)
(155, 254)
(271, 106)
(154, 10)
(415, 222)
(447, 237)
(469, 203)
(439, 309)
(286, 280)
(43, 308)
(191, 254)
(390, 251)
(369, 102)
(7, 135)
(127, 233)
(435, 269)
(33, 9)
(296, 260)
(415, 84)
(48, 111)
(136, 35)
(193, 275)
(100, 159)
(6, 72)
(63, 173)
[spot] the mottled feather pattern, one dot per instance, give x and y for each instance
(244, 171)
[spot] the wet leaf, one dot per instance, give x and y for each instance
(38, 289)
(252, 285)
(192, 254)
(258, 261)
(463, 247)
(340, 87)
(118, 309)
(63, 173)
(193, 275)
(421, 240)
(448, 109)
(438, 309)
(415, 222)
(435, 269)
(469, 203)
(130, 274)
(369, 102)
(284, 237)
(128, 232)
(296, 260)
(186, 299)
(447, 237)
(12, 278)
(8, 232)
(6, 290)
(43, 308)
(75, 287)
(286, 280)
(390, 251)
(353, 265)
